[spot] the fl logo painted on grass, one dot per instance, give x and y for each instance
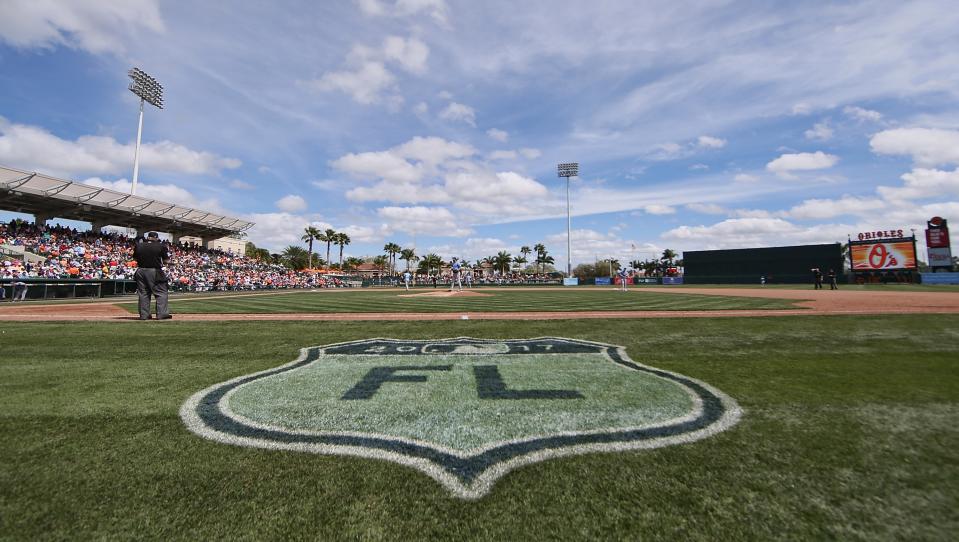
(464, 411)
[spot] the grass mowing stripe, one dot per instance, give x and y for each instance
(849, 433)
(498, 300)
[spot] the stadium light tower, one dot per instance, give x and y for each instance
(148, 90)
(568, 169)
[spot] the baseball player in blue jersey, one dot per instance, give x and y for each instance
(457, 282)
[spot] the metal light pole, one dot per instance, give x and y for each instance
(568, 169)
(148, 90)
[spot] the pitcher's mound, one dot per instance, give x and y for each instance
(447, 293)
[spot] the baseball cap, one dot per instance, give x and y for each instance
(153, 235)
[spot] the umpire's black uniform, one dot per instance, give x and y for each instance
(150, 255)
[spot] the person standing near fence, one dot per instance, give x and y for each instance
(20, 288)
(151, 255)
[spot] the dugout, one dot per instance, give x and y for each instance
(780, 265)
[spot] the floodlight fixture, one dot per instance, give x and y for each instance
(150, 91)
(567, 170)
(146, 88)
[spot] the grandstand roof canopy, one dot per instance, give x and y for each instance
(49, 197)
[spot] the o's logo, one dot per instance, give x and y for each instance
(464, 411)
(879, 256)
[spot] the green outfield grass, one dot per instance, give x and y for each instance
(849, 432)
(499, 300)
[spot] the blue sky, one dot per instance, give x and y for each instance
(696, 124)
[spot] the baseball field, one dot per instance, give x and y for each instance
(507, 414)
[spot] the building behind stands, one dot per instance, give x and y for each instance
(778, 265)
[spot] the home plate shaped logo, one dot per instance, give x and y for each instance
(464, 411)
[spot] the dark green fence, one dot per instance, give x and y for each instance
(37, 288)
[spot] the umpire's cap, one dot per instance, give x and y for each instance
(153, 235)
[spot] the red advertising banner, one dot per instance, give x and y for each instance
(881, 256)
(937, 234)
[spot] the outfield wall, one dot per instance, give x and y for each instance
(779, 265)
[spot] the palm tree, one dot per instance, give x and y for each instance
(392, 249)
(352, 263)
(327, 237)
(525, 251)
(408, 254)
(541, 253)
(294, 257)
(309, 235)
(429, 262)
(519, 261)
(635, 264)
(668, 256)
(342, 240)
(502, 260)
(381, 261)
(545, 260)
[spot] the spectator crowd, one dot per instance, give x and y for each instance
(70, 254)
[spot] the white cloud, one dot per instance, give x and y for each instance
(97, 27)
(436, 9)
(927, 146)
(364, 234)
(399, 193)
(433, 150)
(656, 209)
(821, 131)
(706, 208)
(745, 178)
(291, 204)
(33, 148)
(371, 7)
(801, 109)
(861, 114)
(410, 53)
(169, 193)
(364, 84)
(828, 208)
(438, 221)
(666, 151)
(590, 245)
(503, 155)
(367, 79)
(499, 135)
(804, 161)
(459, 112)
(751, 213)
(408, 163)
(383, 165)
(924, 183)
(505, 193)
(529, 153)
(237, 184)
(699, 167)
(675, 151)
(709, 142)
(329, 185)
(737, 232)
(276, 231)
